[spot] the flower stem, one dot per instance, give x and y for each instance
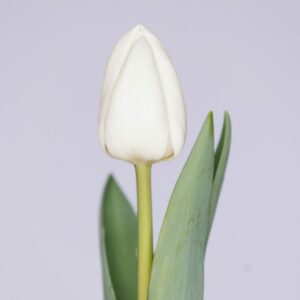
(145, 248)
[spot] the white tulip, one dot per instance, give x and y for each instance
(142, 116)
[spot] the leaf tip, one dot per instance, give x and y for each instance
(108, 187)
(110, 182)
(227, 124)
(227, 118)
(210, 122)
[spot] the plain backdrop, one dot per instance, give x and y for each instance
(240, 56)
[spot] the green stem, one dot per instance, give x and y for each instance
(145, 248)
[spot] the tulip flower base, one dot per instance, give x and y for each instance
(177, 270)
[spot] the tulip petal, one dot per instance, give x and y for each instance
(136, 122)
(142, 115)
(172, 92)
(113, 68)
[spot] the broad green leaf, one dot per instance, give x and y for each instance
(221, 158)
(119, 243)
(178, 265)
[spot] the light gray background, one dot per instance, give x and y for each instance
(242, 56)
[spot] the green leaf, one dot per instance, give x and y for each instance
(221, 158)
(119, 243)
(108, 287)
(178, 266)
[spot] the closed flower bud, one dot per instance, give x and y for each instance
(142, 115)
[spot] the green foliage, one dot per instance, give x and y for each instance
(109, 292)
(221, 158)
(178, 266)
(118, 244)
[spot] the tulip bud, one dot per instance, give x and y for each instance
(142, 115)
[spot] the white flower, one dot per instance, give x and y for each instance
(142, 115)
